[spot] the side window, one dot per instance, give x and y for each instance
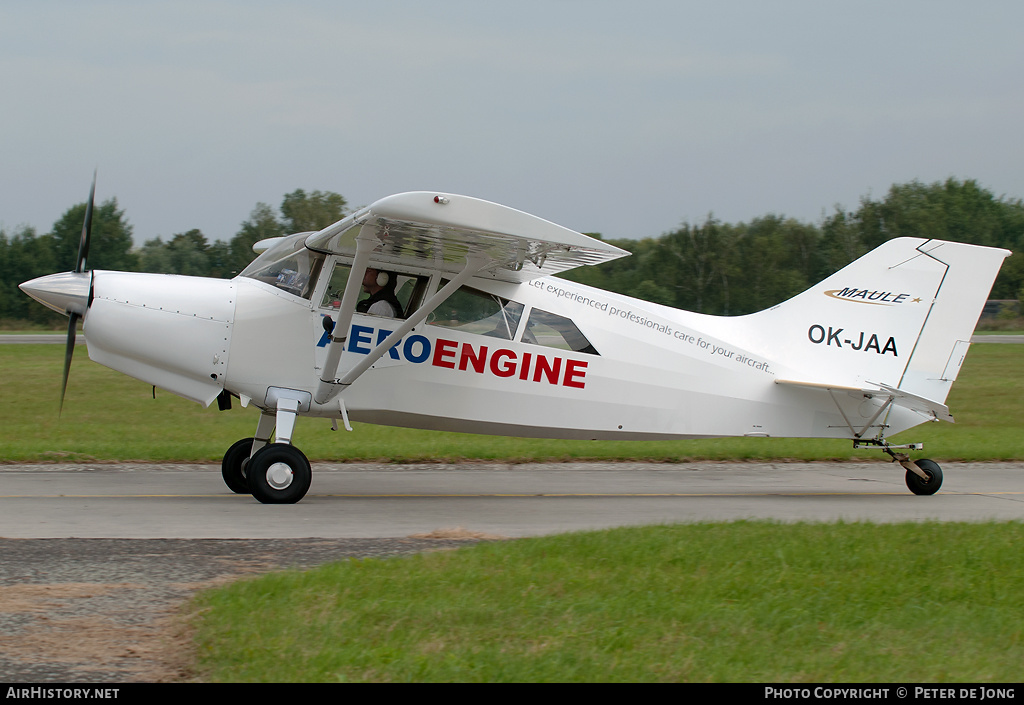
(552, 331)
(409, 289)
(336, 287)
(474, 311)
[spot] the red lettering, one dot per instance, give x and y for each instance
(471, 357)
(505, 362)
(506, 370)
(524, 369)
(547, 369)
(444, 349)
(574, 369)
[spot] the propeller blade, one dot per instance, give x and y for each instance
(69, 351)
(83, 254)
(83, 245)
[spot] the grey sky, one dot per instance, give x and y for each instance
(625, 118)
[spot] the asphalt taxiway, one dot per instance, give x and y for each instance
(386, 501)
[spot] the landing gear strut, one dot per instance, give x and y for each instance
(923, 477)
(274, 473)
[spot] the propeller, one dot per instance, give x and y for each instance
(73, 316)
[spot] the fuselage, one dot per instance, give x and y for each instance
(545, 358)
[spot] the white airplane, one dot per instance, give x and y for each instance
(479, 336)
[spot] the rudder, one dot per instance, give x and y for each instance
(970, 271)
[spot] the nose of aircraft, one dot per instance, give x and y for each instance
(66, 292)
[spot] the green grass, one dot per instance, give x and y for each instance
(740, 602)
(110, 417)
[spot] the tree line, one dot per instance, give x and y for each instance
(24, 254)
(737, 268)
(710, 266)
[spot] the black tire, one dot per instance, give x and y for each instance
(232, 468)
(929, 486)
(279, 474)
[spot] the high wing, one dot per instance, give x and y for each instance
(462, 236)
(442, 230)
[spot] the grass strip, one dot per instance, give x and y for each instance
(737, 602)
(110, 417)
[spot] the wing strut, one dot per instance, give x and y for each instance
(366, 241)
(330, 386)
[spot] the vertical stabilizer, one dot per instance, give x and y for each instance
(902, 315)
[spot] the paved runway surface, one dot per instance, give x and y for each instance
(39, 339)
(376, 501)
(95, 561)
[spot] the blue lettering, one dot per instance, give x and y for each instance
(361, 336)
(382, 336)
(408, 348)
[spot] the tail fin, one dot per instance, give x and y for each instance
(901, 316)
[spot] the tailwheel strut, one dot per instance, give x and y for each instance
(923, 476)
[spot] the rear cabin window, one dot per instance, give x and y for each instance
(473, 311)
(554, 331)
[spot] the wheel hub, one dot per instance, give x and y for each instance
(280, 476)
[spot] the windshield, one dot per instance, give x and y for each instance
(288, 265)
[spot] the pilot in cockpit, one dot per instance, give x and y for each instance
(380, 285)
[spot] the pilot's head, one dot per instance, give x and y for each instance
(375, 279)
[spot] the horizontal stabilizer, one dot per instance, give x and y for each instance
(928, 407)
(884, 392)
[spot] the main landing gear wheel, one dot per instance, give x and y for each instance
(279, 474)
(232, 468)
(918, 485)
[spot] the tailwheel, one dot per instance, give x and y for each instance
(920, 485)
(232, 468)
(923, 477)
(279, 474)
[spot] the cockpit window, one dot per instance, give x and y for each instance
(409, 290)
(553, 331)
(288, 265)
(474, 311)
